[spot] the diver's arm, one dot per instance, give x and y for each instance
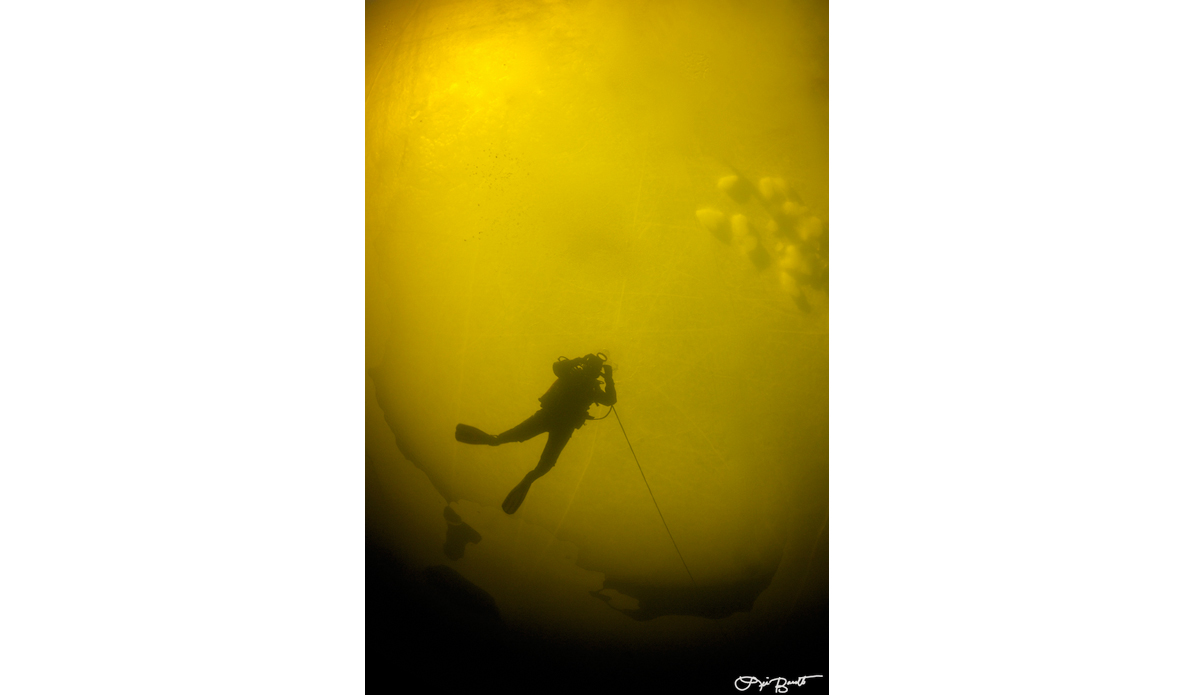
(609, 396)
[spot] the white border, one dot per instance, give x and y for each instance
(1014, 346)
(181, 496)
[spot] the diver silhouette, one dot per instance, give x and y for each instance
(564, 410)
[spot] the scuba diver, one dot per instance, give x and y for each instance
(564, 410)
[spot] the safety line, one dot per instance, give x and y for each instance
(660, 514)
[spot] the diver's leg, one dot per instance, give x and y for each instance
(532, 427)
(473, 435)
(559, 436)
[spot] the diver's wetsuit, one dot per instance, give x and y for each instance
(564, 410)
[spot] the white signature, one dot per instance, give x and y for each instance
(781, 683)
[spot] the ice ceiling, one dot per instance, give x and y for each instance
(643, 179)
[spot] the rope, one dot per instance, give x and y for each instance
(606, 415)
(660, 514)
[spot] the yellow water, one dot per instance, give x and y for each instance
(553, 178)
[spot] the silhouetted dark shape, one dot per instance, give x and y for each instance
(459, 594)
(564, 410)
(713, 601)
(458, 534)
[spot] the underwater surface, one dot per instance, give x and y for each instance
(646, 180)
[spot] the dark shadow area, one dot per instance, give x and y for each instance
(759, 256)
(714, 602)
(458, 534)
(452, 591)
(431, 630)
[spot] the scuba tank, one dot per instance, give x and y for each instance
(573, 391)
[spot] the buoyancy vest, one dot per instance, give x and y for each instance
(569, 397)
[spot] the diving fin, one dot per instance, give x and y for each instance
(513, 502)
(473, 435)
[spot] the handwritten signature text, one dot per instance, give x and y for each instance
(781, 683)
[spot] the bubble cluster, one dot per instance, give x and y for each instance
(715, 222)
(780, 234)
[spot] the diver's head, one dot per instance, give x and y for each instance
(593, 364)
